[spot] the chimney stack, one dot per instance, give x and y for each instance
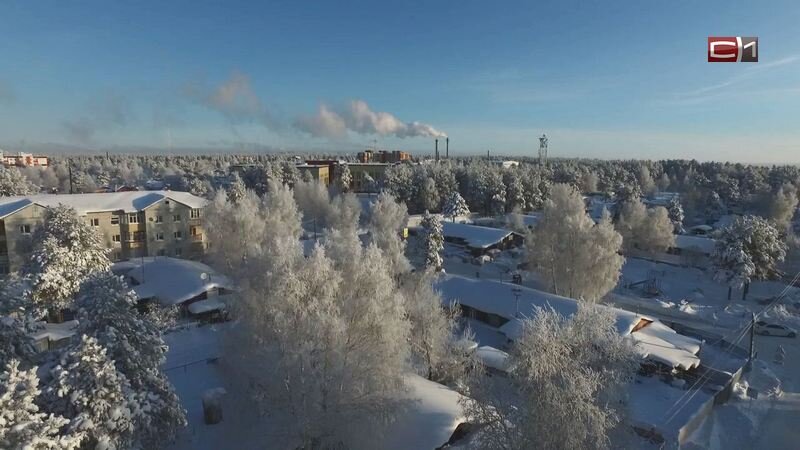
(447, 147)
(437, 149)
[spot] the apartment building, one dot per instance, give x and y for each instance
(319, 172)
(383, 156)
(24, 159)
(132, 224)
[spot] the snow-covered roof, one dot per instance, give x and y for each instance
(55, 331)
(655, 341)
(131, 201)
(702, 244)
(429, 419)
(494, 358)
(658, 342)
(169, 280)
(207, 305)
(474, 236)
(496, 297)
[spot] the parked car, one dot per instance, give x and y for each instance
(773, 329)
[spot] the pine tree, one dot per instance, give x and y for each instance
(96, 398)
(67, 251)
(455, 206)
(433, 243)
(236, 190)
(107, 313)
(676, 215)
(344, 179)
(749, 249)
(22, 425)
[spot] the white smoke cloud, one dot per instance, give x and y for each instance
(235, 99)
(359, 118)
(326, 123)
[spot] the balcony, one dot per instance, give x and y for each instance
(197, 238)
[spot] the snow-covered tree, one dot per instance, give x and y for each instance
(22, 425)
(783, 207)
(314, 202)
(237, 189)
(749, 249)
(433, 241)
(233, 231)
(325, 343)
(387, 221)
(106, 307)
(455, 206)
(399, 181)
(66, 252)
(434, 338)
(565, 389)
(427, 195)
(344, 213)
(12, 182)
(575, 257)
(675, 210)
(649, 230)
(97, 399)
(344, 179)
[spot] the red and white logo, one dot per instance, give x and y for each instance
(732, 49)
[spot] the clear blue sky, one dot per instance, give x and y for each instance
(621, 79)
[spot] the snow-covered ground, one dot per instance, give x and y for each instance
(427, 420)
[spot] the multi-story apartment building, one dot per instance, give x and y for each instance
(319, 172)
(24, 159)
(383, 156)
(132, 224)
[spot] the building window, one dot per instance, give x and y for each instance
(133, 218)
(25, 229)
(95, 222)
(159, 236)
(116, 238)
(178, 251)
(138, 236)
(176, 218)
(194, 214)
(178, 235)
(114, 220)
(126, 236)
(159, 219)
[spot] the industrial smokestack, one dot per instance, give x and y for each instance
(447, 147)
(437, 149)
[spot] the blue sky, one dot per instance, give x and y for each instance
(622, 79)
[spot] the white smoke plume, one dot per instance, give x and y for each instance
(359, 118)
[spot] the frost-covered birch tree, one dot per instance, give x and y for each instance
(233, 231)
(565, 388)
(433, 241)
(321, 340)
(435, 340)
(67, 251)
(575, 257)
(22, 424)
(387, 221)
(344, 179)
(649, 230)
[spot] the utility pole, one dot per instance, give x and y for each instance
(516, 292)
(752, 337)
(69, 165)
